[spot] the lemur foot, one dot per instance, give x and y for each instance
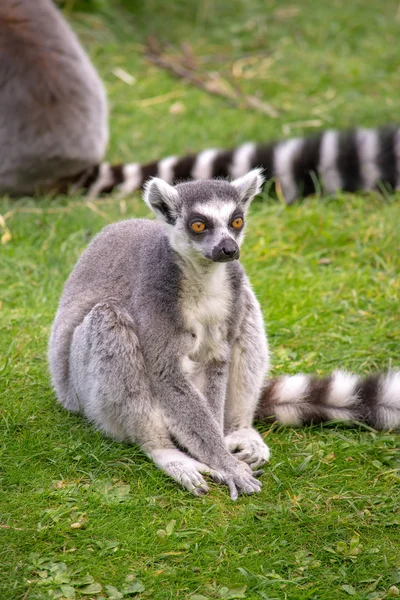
(248, 446)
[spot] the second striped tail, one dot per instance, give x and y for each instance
(351, 161)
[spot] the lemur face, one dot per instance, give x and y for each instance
(214, 229)
(204, 219)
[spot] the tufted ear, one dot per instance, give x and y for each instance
(163, 199)
(249, 186)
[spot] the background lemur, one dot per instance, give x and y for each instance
(159, 338)
(53, 128)
(53, 117)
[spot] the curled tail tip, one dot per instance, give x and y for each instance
(342, 396)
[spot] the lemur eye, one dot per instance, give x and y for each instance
(237, 223)
(198, 226)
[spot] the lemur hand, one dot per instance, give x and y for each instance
(239, 478)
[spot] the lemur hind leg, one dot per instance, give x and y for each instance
(108, 375)
(248, 366)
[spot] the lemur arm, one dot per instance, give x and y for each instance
(216, 374)
(191, 418)
(191, 422)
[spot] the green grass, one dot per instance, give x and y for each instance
(326, 524)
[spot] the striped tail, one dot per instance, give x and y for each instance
(303, 399)
(356, 160)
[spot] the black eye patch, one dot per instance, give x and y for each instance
(198, 218)
(237, 214)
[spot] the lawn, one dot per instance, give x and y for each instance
(84, 517)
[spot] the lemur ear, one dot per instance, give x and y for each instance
(162, 198)
(249, 186)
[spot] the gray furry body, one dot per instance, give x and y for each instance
(159, 337)
(53, 118)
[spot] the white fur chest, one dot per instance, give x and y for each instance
(206, 305)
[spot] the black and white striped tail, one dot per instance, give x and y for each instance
(356, 160)
(342, 396)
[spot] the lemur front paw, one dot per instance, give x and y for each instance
(240, 480)
(247, 445)
(183, 468)
(188, 475)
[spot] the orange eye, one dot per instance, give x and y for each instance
(237, 223)
(198, 226)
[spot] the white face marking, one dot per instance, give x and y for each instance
(218, 211)
(368, 149)
(197, 249)
(284, 155)
(242, 160)
(202, 168)
(327, 167)
(165, 168)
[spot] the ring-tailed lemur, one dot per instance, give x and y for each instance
(159, 339)
(357, 160)
(53, 117)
